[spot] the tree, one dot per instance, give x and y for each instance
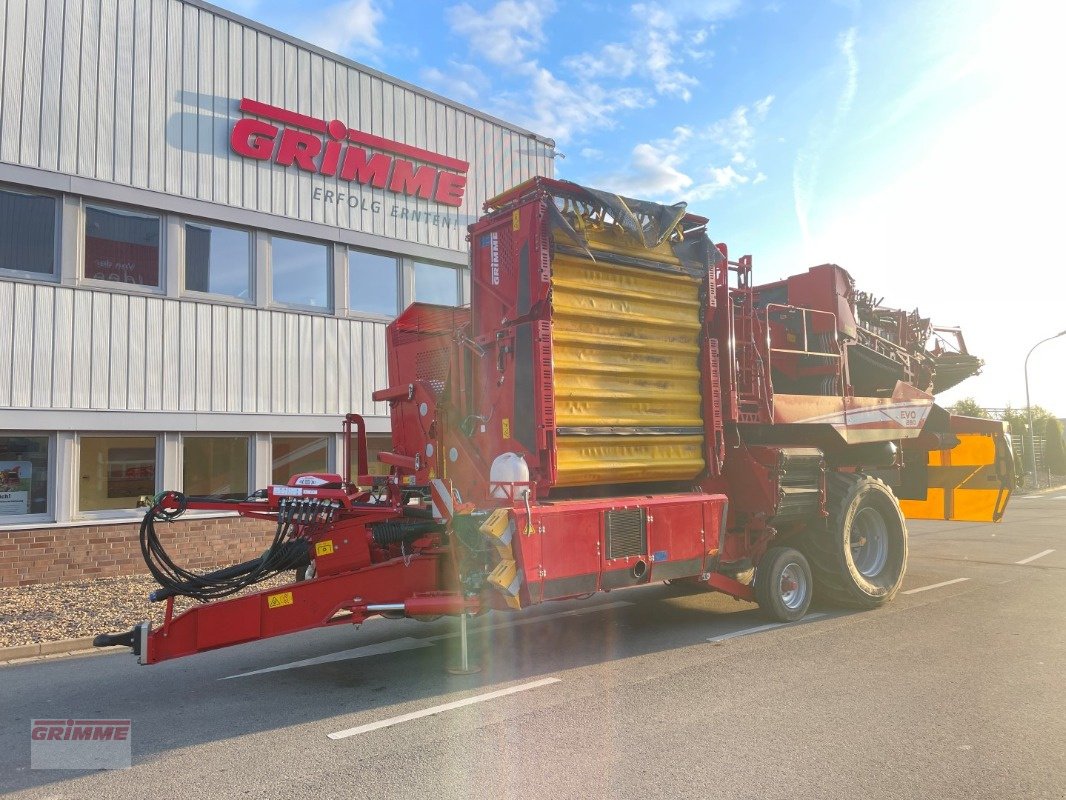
(1054, 450)
(967, 407)
(1019, 420)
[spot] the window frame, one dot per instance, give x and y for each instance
(196, 294)
(55, 276)
(163, 255)
(49, 515)
(397, 275)
(330, 300)
(77, 512)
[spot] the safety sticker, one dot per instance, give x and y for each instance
(324, 548)
(516, 221)
(506, 427)
(279, 600)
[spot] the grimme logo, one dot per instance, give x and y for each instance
(80, 743)
(332, 148)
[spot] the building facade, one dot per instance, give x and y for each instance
(205, 226)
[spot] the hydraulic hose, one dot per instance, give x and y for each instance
(288, 550)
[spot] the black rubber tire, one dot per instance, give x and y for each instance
(837, 579)
(768, 578)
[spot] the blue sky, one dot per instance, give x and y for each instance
(918, 144)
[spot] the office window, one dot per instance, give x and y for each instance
(215, 466)
(372, 283)
(115, 471)
(435, 283)
(301, 272)
(121, 246)
(375, 443)
(291, 455)
(217, 259)
(27, 233)
(25, 479)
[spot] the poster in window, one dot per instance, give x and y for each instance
(130, 471)
(124, 262)
(15, 487)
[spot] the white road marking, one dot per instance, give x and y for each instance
(428, 712)
(935, 586)
(392, 646)
(410, 643)
(761, 628)
(1034, 558)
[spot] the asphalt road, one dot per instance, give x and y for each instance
(950, 691)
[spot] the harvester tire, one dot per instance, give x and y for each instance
(783, 584)
(858, 557)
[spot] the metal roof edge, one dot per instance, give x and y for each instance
(259, 26)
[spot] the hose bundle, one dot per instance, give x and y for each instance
(290, 549)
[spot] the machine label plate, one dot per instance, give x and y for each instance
(324, 548)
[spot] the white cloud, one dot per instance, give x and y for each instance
(556, 108)
(507, 33)
(612, 61)
(348, 27)
(591, 153)
(462, 81)
(696, 164)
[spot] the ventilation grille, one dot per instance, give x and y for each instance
(626, 533)
(431, 366)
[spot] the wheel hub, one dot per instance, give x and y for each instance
(794, 587)
(869, 542)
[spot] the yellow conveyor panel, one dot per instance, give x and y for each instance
(626, 347)
(598, 460)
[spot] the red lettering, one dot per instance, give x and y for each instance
(105, 733)
(406, 179)
(253, 138)
(299, 148)
(450, 189)
(55, 733)
(39, 732)
(357, 167)
(81, 732)
(331, 156)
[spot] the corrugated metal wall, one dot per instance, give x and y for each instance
(66, 348)
(144, 93)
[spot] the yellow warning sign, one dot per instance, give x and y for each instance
(279, 600)
(324, 548)
(506, 427)
(516, 221)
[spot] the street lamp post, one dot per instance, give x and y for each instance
(1028, 407)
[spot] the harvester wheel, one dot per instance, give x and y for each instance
(859, 556)
(783, 584)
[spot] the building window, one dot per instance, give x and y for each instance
(215, 466)
(301, 272)
(115, 471)
(436, 283)
(217, 260)
(291, 455)
(375, 443)
(27, 233)
(121, 246)
(372, 283)
(24, 475)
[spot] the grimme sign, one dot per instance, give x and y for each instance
(333, 149)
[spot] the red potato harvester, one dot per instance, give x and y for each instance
(619, 405)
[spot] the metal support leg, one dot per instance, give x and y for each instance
(464, 667)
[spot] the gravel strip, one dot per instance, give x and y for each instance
(53, 611)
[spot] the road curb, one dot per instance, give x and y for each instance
(62, 646)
